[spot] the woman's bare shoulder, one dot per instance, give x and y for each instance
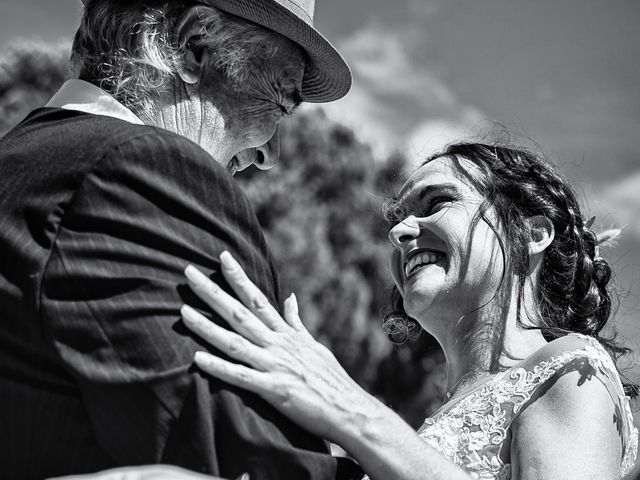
(569, 429)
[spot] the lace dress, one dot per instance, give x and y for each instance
(473, 430)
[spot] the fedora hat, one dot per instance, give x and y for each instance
(327, 76)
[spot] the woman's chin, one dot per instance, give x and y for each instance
(427, 281)
(418, 302)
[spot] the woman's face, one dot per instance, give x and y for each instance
(443, 265)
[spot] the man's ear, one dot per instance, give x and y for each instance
(188, 30)
(541, 233)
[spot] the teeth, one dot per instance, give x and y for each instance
(420, 260)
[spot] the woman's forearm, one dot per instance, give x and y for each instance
(388, 448)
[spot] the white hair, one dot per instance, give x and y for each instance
(129, 49)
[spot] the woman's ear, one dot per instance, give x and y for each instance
(541, 234)
(188, 30)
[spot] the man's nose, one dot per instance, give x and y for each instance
(268, 154)
(404, 232)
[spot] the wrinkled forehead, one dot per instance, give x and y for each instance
(453, 171)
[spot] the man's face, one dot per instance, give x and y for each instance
(252, 108)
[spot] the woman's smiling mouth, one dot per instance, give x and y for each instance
(419, 259)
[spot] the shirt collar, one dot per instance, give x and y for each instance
(85, 97)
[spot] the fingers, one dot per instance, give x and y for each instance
(227, 342)
(249, 294)
(291, 313)
(238, 375)
(236, 314)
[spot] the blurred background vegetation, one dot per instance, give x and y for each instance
(320, 209)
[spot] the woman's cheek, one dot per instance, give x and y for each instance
(486, 262)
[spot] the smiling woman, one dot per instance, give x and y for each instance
(493, 257)
(511, 188)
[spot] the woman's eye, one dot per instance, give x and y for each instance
(396, 211)
(434, 205)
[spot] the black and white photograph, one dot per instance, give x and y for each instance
(319, 239)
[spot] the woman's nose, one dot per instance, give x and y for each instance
(404, 232)
(268, 154)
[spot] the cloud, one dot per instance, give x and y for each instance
(432, 135)
(618, 204)
(397, 102)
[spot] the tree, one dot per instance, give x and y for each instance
(30, 73)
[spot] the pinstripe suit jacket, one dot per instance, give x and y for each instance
(98, 218)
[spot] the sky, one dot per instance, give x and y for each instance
(561, 73)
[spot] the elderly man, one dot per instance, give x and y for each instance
(105, 196)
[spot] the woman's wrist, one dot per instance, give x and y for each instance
(384, 444)
(366, 425)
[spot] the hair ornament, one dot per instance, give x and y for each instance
(607, 238)
(589, 223)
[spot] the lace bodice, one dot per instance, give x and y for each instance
(472, 431)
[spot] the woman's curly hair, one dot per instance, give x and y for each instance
(573, 294)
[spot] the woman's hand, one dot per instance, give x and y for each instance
(282, 362)
(303, 380)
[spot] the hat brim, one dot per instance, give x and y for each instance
(327, 76)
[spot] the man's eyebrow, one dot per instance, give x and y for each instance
(418, 193)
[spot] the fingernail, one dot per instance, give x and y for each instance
(193, 274)
(228, 261)
(201, 357)
(244, 476)
(294, 301)
(288, 305)
(188, 313)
